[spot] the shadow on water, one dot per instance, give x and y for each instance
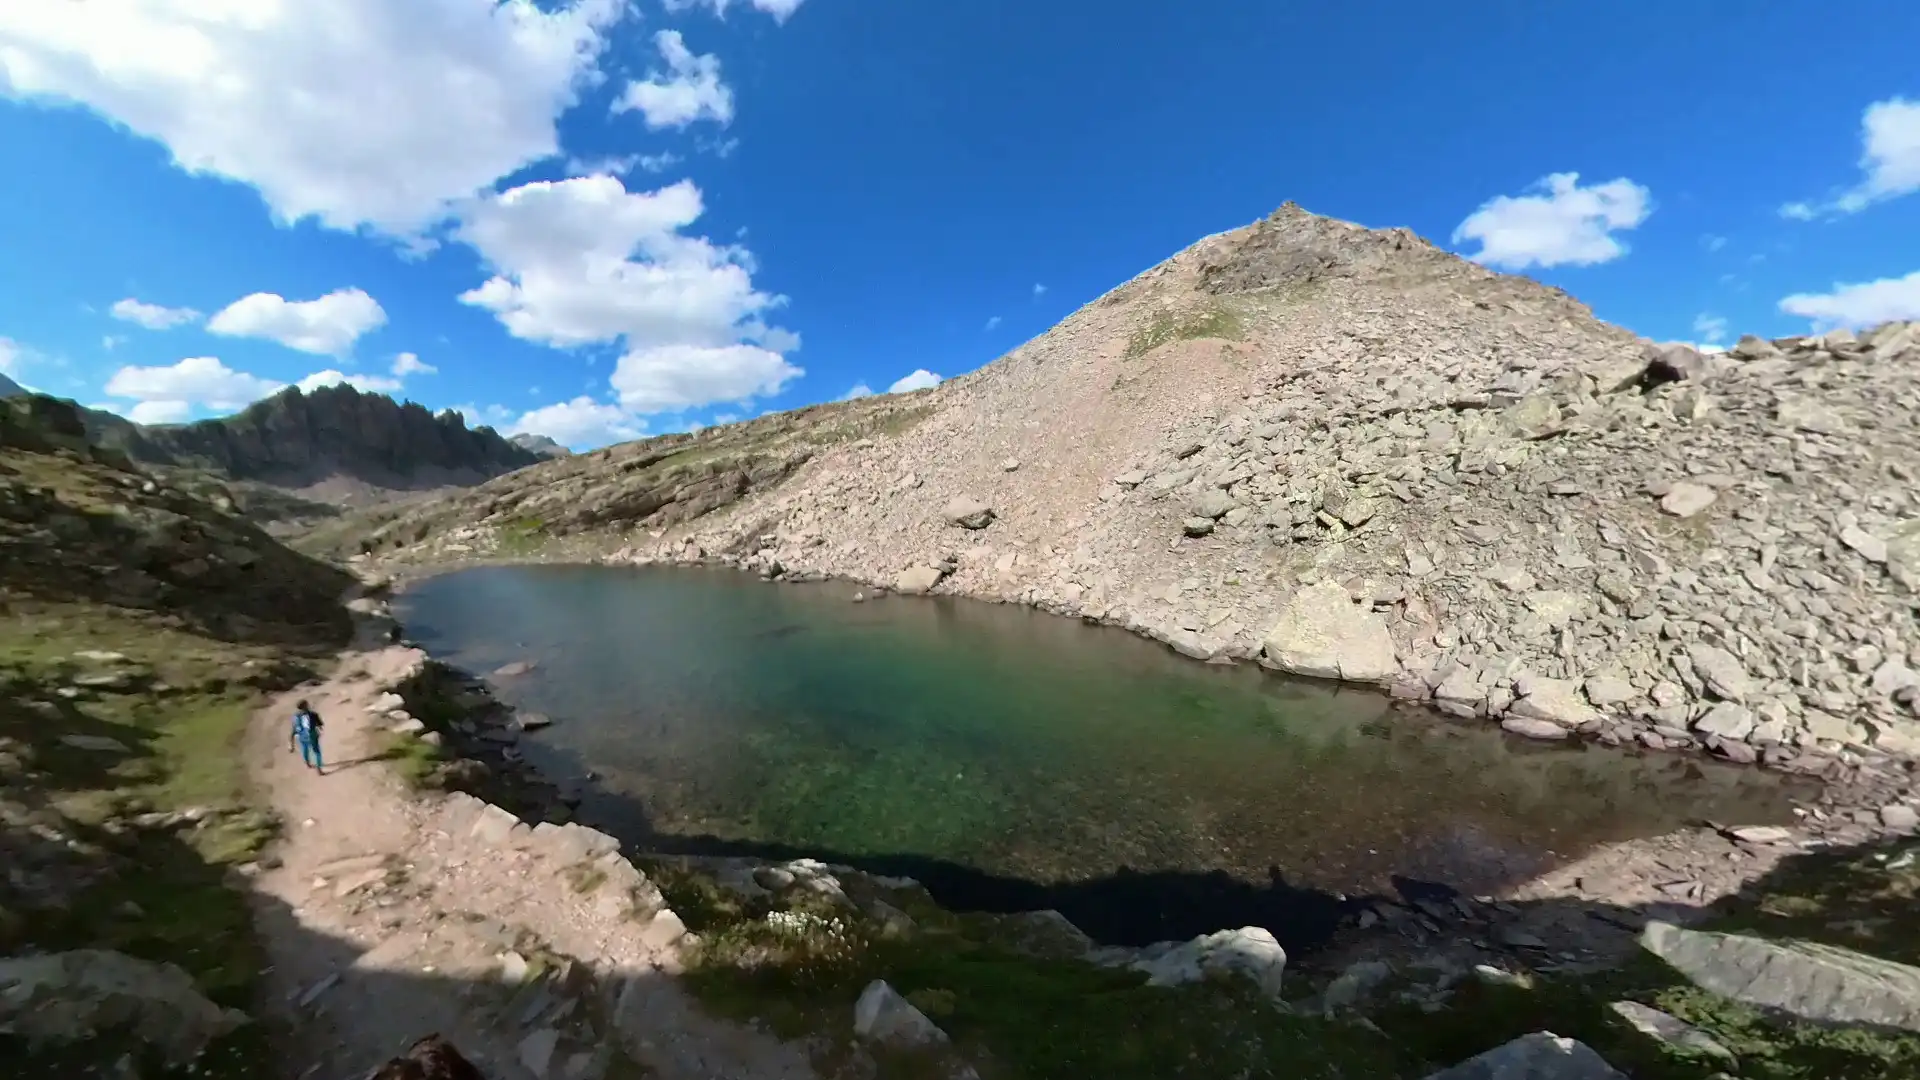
(1013, 761)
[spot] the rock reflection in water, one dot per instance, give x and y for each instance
(721, 710)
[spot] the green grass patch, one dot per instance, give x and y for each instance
(521, 536)
(1166, 327)
(416, 761)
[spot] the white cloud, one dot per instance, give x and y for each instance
(919, 380)
(1558, 223)
(12, 355)
(584, 260)
(1859, 305)
(372, 384)
(672, 377)
(476, 415)
(152, 316)
(857, 390)
(160, 412)
(781, 10)
(113, 341)
(327, 326)
(197, 380)
(357, 112)
(661, 162)
(690, 89)
(1711, 328)
(1039, 289)
(1889, 162)
(580, 423)
(1712, 242)
(408, 364)
(993, 322)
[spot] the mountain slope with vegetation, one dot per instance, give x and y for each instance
(139, 628)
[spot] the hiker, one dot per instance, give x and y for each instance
(306, 735)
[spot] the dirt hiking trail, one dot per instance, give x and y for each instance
(388, 914)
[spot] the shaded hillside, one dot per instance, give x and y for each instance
(9, 388)
(1346, 453)
(300, 439)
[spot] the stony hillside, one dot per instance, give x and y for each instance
(331, 438)
(1348, 454)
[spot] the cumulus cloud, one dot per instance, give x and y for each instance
(1711, 328)
(477, 415)
(327, 326)
(174, 390)
(919, 380)
(1558, 222)
(1889, 162)
(160, 412)
(689, 90)
(584, 260)
(372, 384)
(781, 10)
(1859, 305)
(152, 316)
(354, 112)
(408, 364)
(581, 423)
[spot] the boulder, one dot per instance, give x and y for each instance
(1555, 700)
(1539, 1056)
(1669, 1029)
(69, 996)
(1250, 951)
(968, 512)
(917, 580)
(882, 1015)
(1322, 633)
(1815, 982)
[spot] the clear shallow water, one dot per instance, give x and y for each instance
(1012, 759)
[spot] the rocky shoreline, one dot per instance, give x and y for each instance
(1585, 914)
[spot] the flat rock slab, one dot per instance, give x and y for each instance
(1323, 634)
(1814, 982)
(1539, 1056)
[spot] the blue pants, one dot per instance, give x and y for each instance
(310, 751)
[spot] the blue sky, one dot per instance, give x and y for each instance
(599, 219)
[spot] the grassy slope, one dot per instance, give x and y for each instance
(205, 614)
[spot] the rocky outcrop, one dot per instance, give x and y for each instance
(78, 995)
(1815, 982)
(1531, 516)
(297, 438)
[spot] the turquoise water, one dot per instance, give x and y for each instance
(1009, 747)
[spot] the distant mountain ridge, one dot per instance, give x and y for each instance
(9, 388)
(540, 444)
(301, 438)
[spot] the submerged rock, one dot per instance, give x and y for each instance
(1539, 1056)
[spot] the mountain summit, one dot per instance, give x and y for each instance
(1350, 455)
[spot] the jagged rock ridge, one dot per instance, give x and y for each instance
(1536, 517)
(297, 438)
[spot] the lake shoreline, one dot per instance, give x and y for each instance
(1712, 859)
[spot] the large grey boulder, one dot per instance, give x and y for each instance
(1250, 951)
(882, 1015)
(1539, 1056)
(1811, 981)
(1322, 633)
(68, 996)
(917, 580)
